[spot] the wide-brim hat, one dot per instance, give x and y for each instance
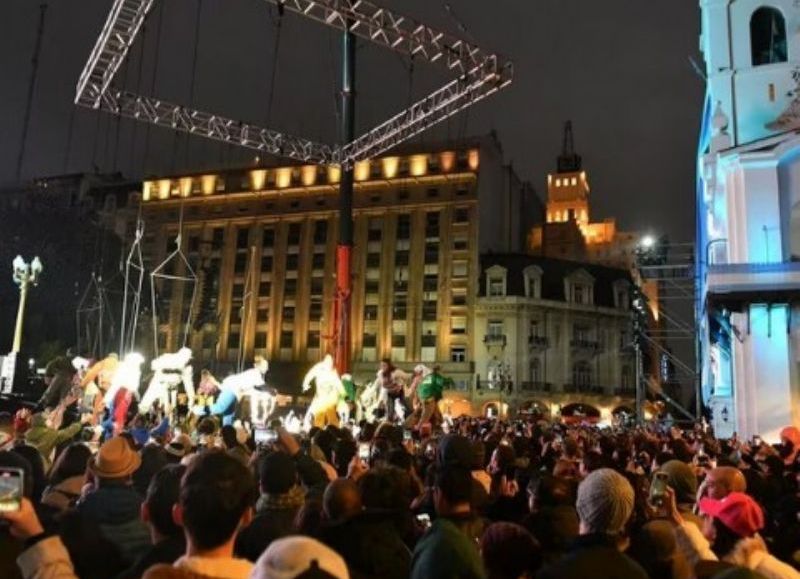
(115, 459)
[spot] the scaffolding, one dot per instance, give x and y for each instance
(480, 74)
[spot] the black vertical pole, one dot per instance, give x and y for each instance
(31, 86)
(345, 247)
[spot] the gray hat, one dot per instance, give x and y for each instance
(605, 501)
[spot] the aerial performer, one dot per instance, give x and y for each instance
(233, 389)
(329, 390)
(122, 393)
(171, 370)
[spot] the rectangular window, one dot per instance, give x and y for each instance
(429, 341)
(313, 340)
(496, 287)
(292, 261)
(370, 340)
(263, 314)
(289, 286)
(495, 328)
(371, 312)
(460, 268)
(315, 310)
(240, 264)
(461, 215)
(316, 286)
(404, 227)
(294, 234)
(458, 325)
(261, 340)
(320, 232)
(398, 341)
(318, 261)
(269, 238)
(288, 313)
(242, 238)
(233, 340)
(460, 243)
(286, 339)
(266, 263)
(458, 354)
(401, 257)
(429, 311)
(217, 238)
(264, 288)
(371, 286)
(374, 260)
(430, 283)
(432, 224)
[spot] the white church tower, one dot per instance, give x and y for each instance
(748, 218)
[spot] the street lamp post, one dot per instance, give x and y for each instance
(25, 275)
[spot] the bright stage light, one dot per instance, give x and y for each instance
(648, 241)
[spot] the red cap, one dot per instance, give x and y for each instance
(738, 511)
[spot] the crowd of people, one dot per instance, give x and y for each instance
(476, 498)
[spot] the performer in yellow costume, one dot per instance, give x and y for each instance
(329, 390)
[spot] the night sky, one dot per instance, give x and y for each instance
(618, 68)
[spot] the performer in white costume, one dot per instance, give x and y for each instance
(233, 388)
(171, 370)
(329, 390)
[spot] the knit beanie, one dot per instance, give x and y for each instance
(605, 501)
(682, 479)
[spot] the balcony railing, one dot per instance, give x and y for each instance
(584, 389)
(538, 342)
(585, 345)
(495, 340)
(535, 387)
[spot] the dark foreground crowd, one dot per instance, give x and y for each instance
(489, 499)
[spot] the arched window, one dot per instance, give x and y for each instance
(767, 36)
(581, 374)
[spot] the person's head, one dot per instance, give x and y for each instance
(386, 365)
(36, 466)
(216, 500)
(228, 434)
(724, 480)
(509, 551)
(277, 474)
(605, 502)
(682, 479)
(385, 489)
(452, 490)
(162, 494)
(154, 458)
(654, 546)
(728, 520)
(71, 462)
(299, 557)
(341, 500)
(549, 491)
(344, 450)
(115, 462)
(592, 460)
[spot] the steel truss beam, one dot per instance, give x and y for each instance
(480, 74)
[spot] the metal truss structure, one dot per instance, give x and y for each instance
(479, 75)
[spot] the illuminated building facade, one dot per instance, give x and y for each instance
(550, 333)
(748, 218)
(262, 242)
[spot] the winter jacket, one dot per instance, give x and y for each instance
(201, 568)
(46, 439)
(166, 551)
(115, 509)
(595, 556)
(47, 559)
(268, 525)
(446, 551)
(371, 545)
(749, 552)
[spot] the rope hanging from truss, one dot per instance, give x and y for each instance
(183, 272)
(132, 293)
